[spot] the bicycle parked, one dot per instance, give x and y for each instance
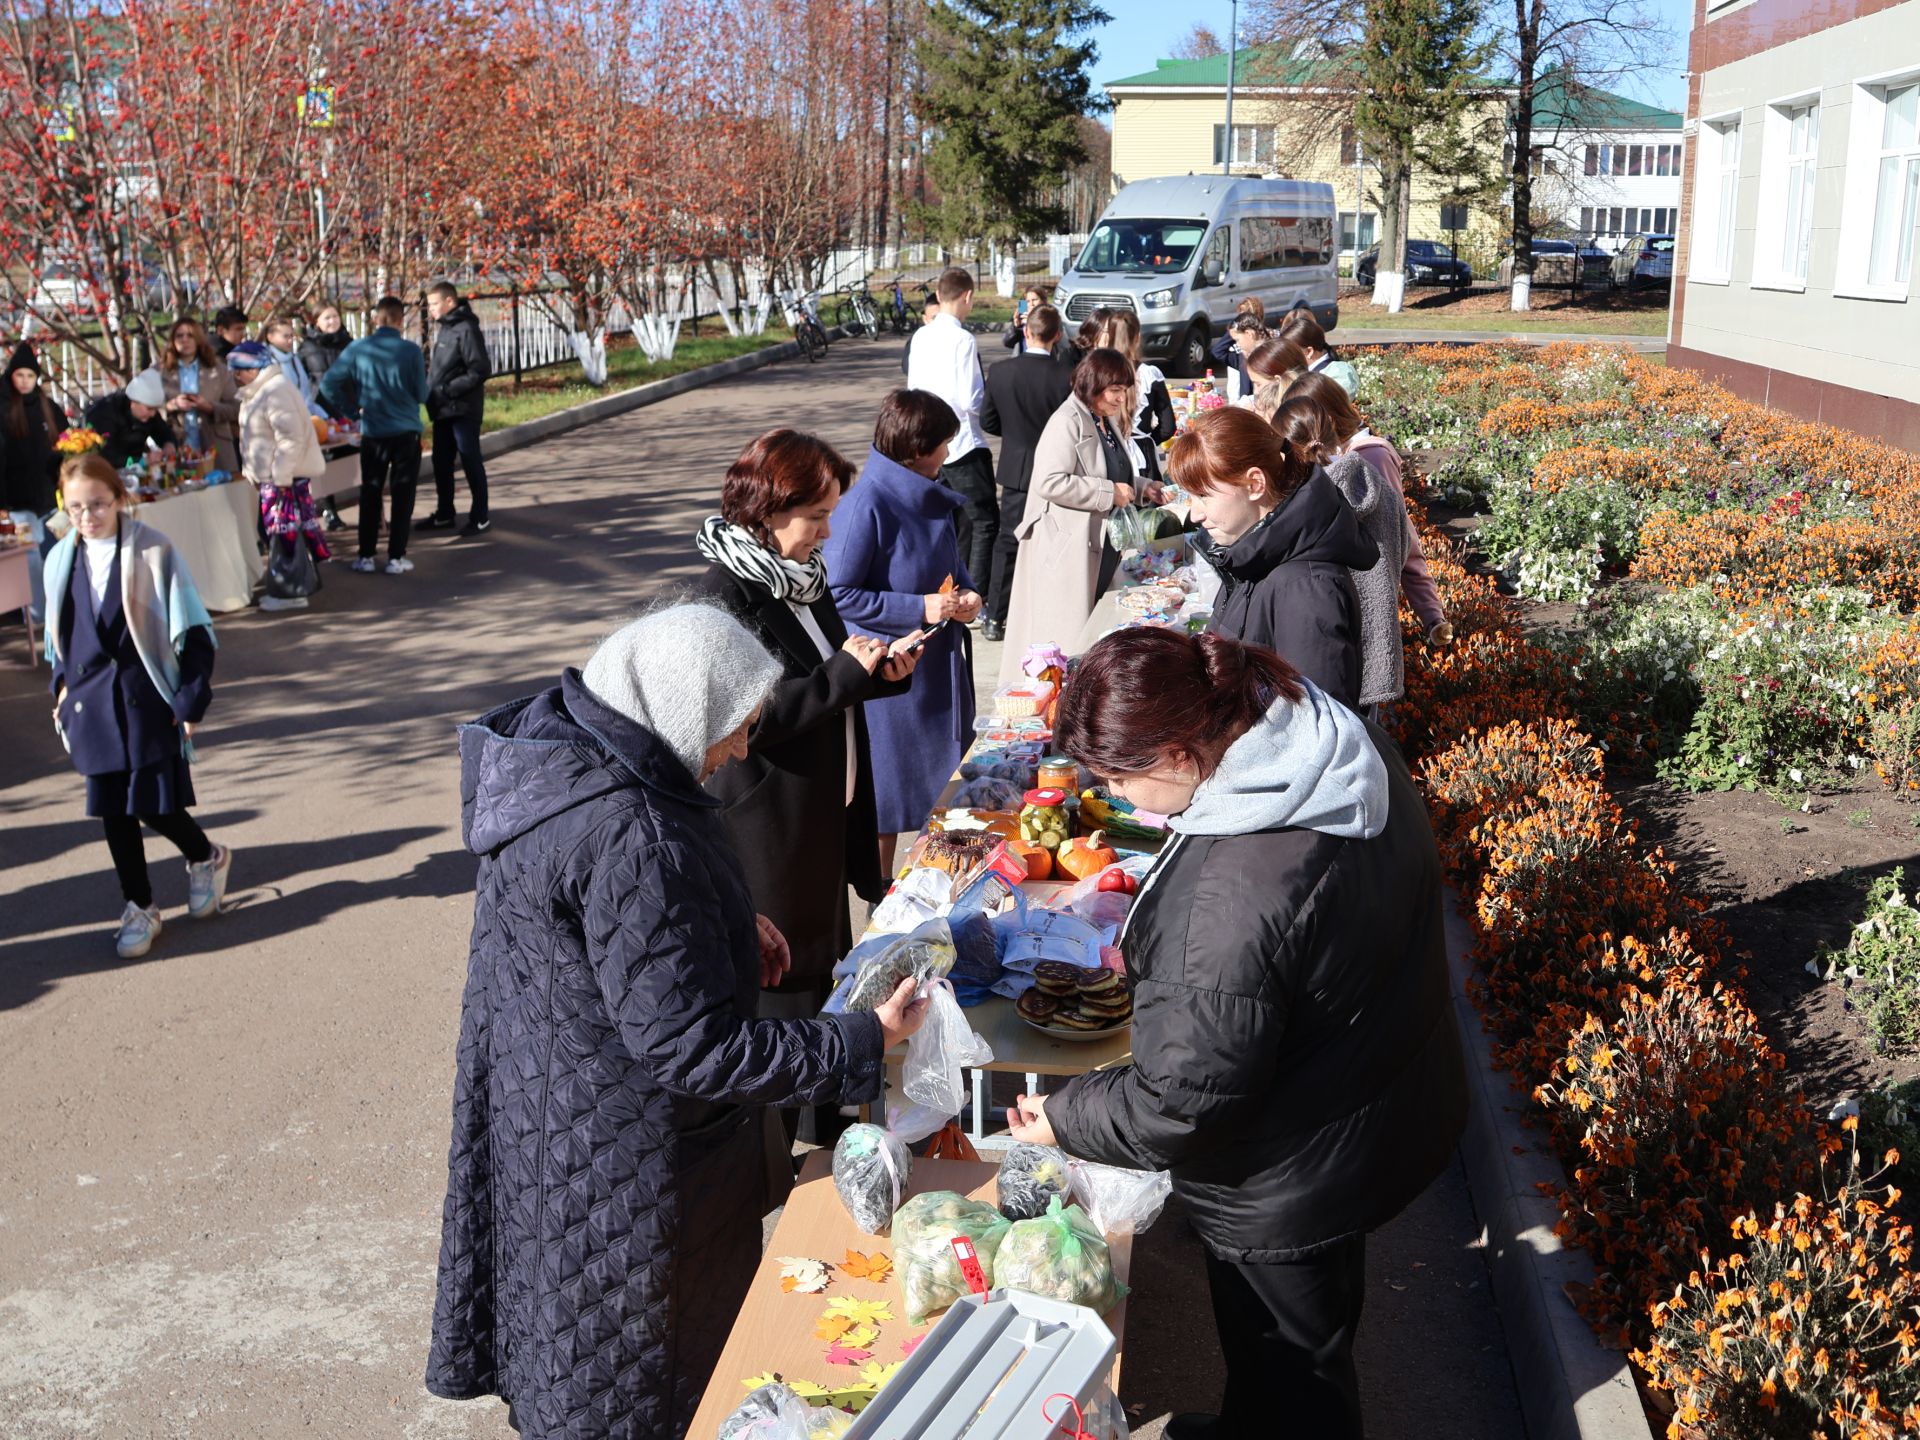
(857, 314)
(904, 319)
(803, 318)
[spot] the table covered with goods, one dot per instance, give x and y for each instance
(340, 443)
(935, 1298)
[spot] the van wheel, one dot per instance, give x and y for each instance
(1190, 356)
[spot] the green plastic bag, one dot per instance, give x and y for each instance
(1063, 1256)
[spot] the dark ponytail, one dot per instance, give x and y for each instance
(1145, 695)
(1307, 430)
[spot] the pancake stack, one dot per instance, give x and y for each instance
(1066, 997)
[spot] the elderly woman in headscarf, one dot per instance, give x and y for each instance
(283, 456)
(607, 1176)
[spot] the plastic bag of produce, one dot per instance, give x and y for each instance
(924, 1230)
(774, 1412)
(925, 954)
(1117, 1200)
(938, 1050)
(1062, 1255)
(871, 1165)
(1128, 528)
(1030, 1176)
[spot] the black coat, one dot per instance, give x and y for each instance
(1287, 586)
(606, 1177)
(1295, 1061)
(29, 465)
(786, 808)
(126, 438)
(1022, 394)
(320, 351)
(457, 370)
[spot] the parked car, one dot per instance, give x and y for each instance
(1182, 251)
(1553, 262)
(1644, 260)
(1428, 263)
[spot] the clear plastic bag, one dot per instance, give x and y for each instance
(1121, 1203)
(924, 1230)
(925, 954)
(1128, 528)
(1030, 1176)
(939, 1049)
(871, 1167)
(774, 1412)
(1061, 1255)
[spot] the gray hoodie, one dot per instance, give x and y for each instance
(1310, 765)
(1383, 518)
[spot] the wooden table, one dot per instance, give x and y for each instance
(774, 1331)
(16, 592)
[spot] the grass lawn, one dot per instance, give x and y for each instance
(541, 392)
(1554, 311)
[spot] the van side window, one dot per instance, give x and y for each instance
(1286, 242)
(1217, 251)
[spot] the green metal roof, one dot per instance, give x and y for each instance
(1558, 103)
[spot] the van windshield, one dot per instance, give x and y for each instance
(1141, 247)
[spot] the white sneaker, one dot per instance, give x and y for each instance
(137, 931)
(207, 882)
(399, 567)
(365, 565)
(274, 602)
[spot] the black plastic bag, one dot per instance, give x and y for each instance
(291, 571)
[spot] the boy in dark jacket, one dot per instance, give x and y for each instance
(456, 396)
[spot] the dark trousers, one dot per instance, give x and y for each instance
(130, 852)
(1286, 1332)
(459, 437)
(1006, 554)
(385, 458)
(978, 520)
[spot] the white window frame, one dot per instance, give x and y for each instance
(1716, 200)
(1255, 134)
(1789, 182)
(1864, 154)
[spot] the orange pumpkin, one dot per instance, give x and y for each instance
(1088, 855)
(1037, 858)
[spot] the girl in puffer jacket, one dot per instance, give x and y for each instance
(1295, 1062)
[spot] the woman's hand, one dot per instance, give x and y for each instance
(1027, 1121)
(941, 606)
(775, 957)
(1155, 492)
(58, 701)
(903, 659)
(1441, 634)
(1122, 496)
(966, 606)
(868, 650)
(900, 1015)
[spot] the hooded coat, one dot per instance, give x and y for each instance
(124, 437)
(29, 464)
(277, 438)
(1383, 517)
(1285, 585)
(458, 367)
(1295, 1061)
(320, 351)
(606, 1180)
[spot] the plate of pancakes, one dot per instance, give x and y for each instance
(1071, 1003)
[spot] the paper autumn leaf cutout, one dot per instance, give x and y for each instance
(860, 1312)
(754, 1382)
(797, 1273)
(808, 1391)
(843, 1355)
(832, 1327)
(912, 1343)
(875, 1267)
(860, 1337)
(877, 1374)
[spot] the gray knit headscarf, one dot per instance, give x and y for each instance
(689, 673)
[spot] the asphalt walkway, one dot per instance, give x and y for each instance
(223, 1163)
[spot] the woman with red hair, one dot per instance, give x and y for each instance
(1295, 1063)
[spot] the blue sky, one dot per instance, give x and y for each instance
(1143, 31)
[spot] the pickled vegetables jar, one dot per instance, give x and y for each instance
(1043, 819)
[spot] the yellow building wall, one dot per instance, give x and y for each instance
(1173, 135)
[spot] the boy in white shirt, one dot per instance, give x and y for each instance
(944, 359)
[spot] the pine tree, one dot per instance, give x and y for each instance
(1006, 82)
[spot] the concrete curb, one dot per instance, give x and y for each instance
(560, 422)
(1359, 337)
(1571, 1386)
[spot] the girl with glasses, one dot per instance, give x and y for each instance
(132, 649)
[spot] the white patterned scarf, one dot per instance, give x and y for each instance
(737, 549)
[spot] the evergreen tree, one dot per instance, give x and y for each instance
(1006, 83)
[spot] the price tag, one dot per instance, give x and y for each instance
(970, 1265)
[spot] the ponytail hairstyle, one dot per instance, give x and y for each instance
(1300, 327)
(1143, 697)
(1307, 429)
(1221, 446)
(1275, 359)
(94, 466)
(1330, 397)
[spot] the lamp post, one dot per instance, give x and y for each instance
(1233, 40)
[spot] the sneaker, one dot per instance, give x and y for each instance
(398, 566)
(365, 565)
(475, 527)
(137, 931)
(436, 522)
(207, 882)
(274, 602)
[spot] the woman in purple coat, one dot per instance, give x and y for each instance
(894, 566)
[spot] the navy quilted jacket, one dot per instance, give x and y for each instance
(606, 1178)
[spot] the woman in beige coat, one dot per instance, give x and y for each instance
(203, 403)
(283, 457)
(1083, 469)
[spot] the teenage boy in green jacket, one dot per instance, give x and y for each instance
(382, 379)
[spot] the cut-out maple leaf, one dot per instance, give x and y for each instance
(807, 1390)
(832, 1327)
(911, 1344)
(861, 1312)
(877, 1374)
(875, 1267)
(843, 1355)
(754, 1382)
(860, 1337)
(798, 1273)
